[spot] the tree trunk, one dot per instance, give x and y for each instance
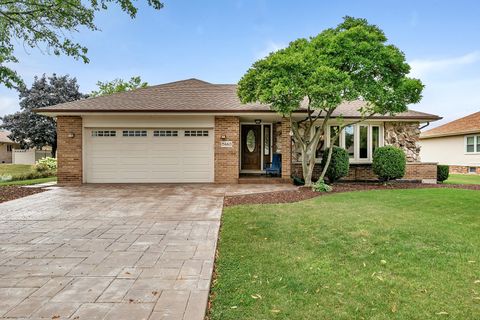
(308, 143)
(54, 150)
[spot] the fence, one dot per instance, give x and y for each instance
(29, 156)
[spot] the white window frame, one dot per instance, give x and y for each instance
(356, 129)
(475, 137)
(134, 133)
(104, 133)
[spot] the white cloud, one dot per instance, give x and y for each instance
(270, 47)
(424, 67)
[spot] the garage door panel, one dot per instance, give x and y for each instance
(148, 159)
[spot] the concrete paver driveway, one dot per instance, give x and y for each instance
(111, 252)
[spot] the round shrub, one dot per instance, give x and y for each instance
(339, 164)
(42, 167)
(442, 172)
(389, 163)
(51, 163)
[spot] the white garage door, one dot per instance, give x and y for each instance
(148, 155)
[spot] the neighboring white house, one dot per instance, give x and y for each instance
(6, 147)
(456, 143)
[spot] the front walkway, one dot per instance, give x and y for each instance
(112, 251)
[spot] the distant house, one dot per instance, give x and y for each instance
(6, 147)
(456, 143)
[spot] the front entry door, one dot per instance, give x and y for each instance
(251, 147)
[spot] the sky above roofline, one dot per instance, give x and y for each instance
(217, 41)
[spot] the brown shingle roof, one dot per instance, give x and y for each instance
(192, 95)
(465, 125)
(4, 137)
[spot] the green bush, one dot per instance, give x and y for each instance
(339, 164)
(389, 163)
(442, 172)
(321, 186)
(42, 167)
(50, 163)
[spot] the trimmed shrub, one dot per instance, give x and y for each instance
(42, 167)
(442, 172)
(339, 164)
(389, 163)
(321, 186)
(50, 163)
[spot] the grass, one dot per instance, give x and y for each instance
(463, 179)
(389, 254)
(28, 182)
(15, 169)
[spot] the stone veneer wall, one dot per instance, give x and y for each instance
(404, 135)
(69, 152)
(227, 159)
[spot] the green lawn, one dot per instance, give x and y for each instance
(28, 182)
(14, 169)
(390, 254)
(463, 179)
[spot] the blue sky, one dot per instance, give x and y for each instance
(217, 41)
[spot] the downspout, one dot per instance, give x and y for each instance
(426, 125)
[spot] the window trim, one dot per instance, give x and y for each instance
(111, 133)
(356, 129)
(141, 135)
(476, 143)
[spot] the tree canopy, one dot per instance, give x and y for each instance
(352, 61)
(48, 25)
(118, 85)
(32, 130)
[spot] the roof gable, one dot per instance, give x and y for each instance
(465, 125)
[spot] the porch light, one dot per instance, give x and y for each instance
(223, 137)
(258, 121)
(71, 135)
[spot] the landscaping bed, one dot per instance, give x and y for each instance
(303, 193)
(8, 193)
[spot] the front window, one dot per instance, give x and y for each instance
(360, 140)
(472, 144)
(363, 142)
(349, 133)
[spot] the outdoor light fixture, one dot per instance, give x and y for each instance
(71, 135)
(223, 137)
(258, 121)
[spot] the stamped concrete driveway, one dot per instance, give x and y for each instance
(111, 252)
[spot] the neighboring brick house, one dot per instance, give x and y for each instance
(195, 131)
(6, 147)
(456, 143)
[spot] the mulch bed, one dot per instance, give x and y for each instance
(8, 193)
(303, 193)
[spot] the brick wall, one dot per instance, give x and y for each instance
(463, 169)
(227, 159)
(414, 171)
(69, 152)
(286, 149)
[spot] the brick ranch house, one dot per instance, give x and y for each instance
(194, 131)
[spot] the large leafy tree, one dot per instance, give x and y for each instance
(118, 85)
(350, 62)
(32, 130)
(48, 25)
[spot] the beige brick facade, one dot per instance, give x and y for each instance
(227, 162)
(414, 171)
(69, 150)
(463, 170)
(286, 149)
